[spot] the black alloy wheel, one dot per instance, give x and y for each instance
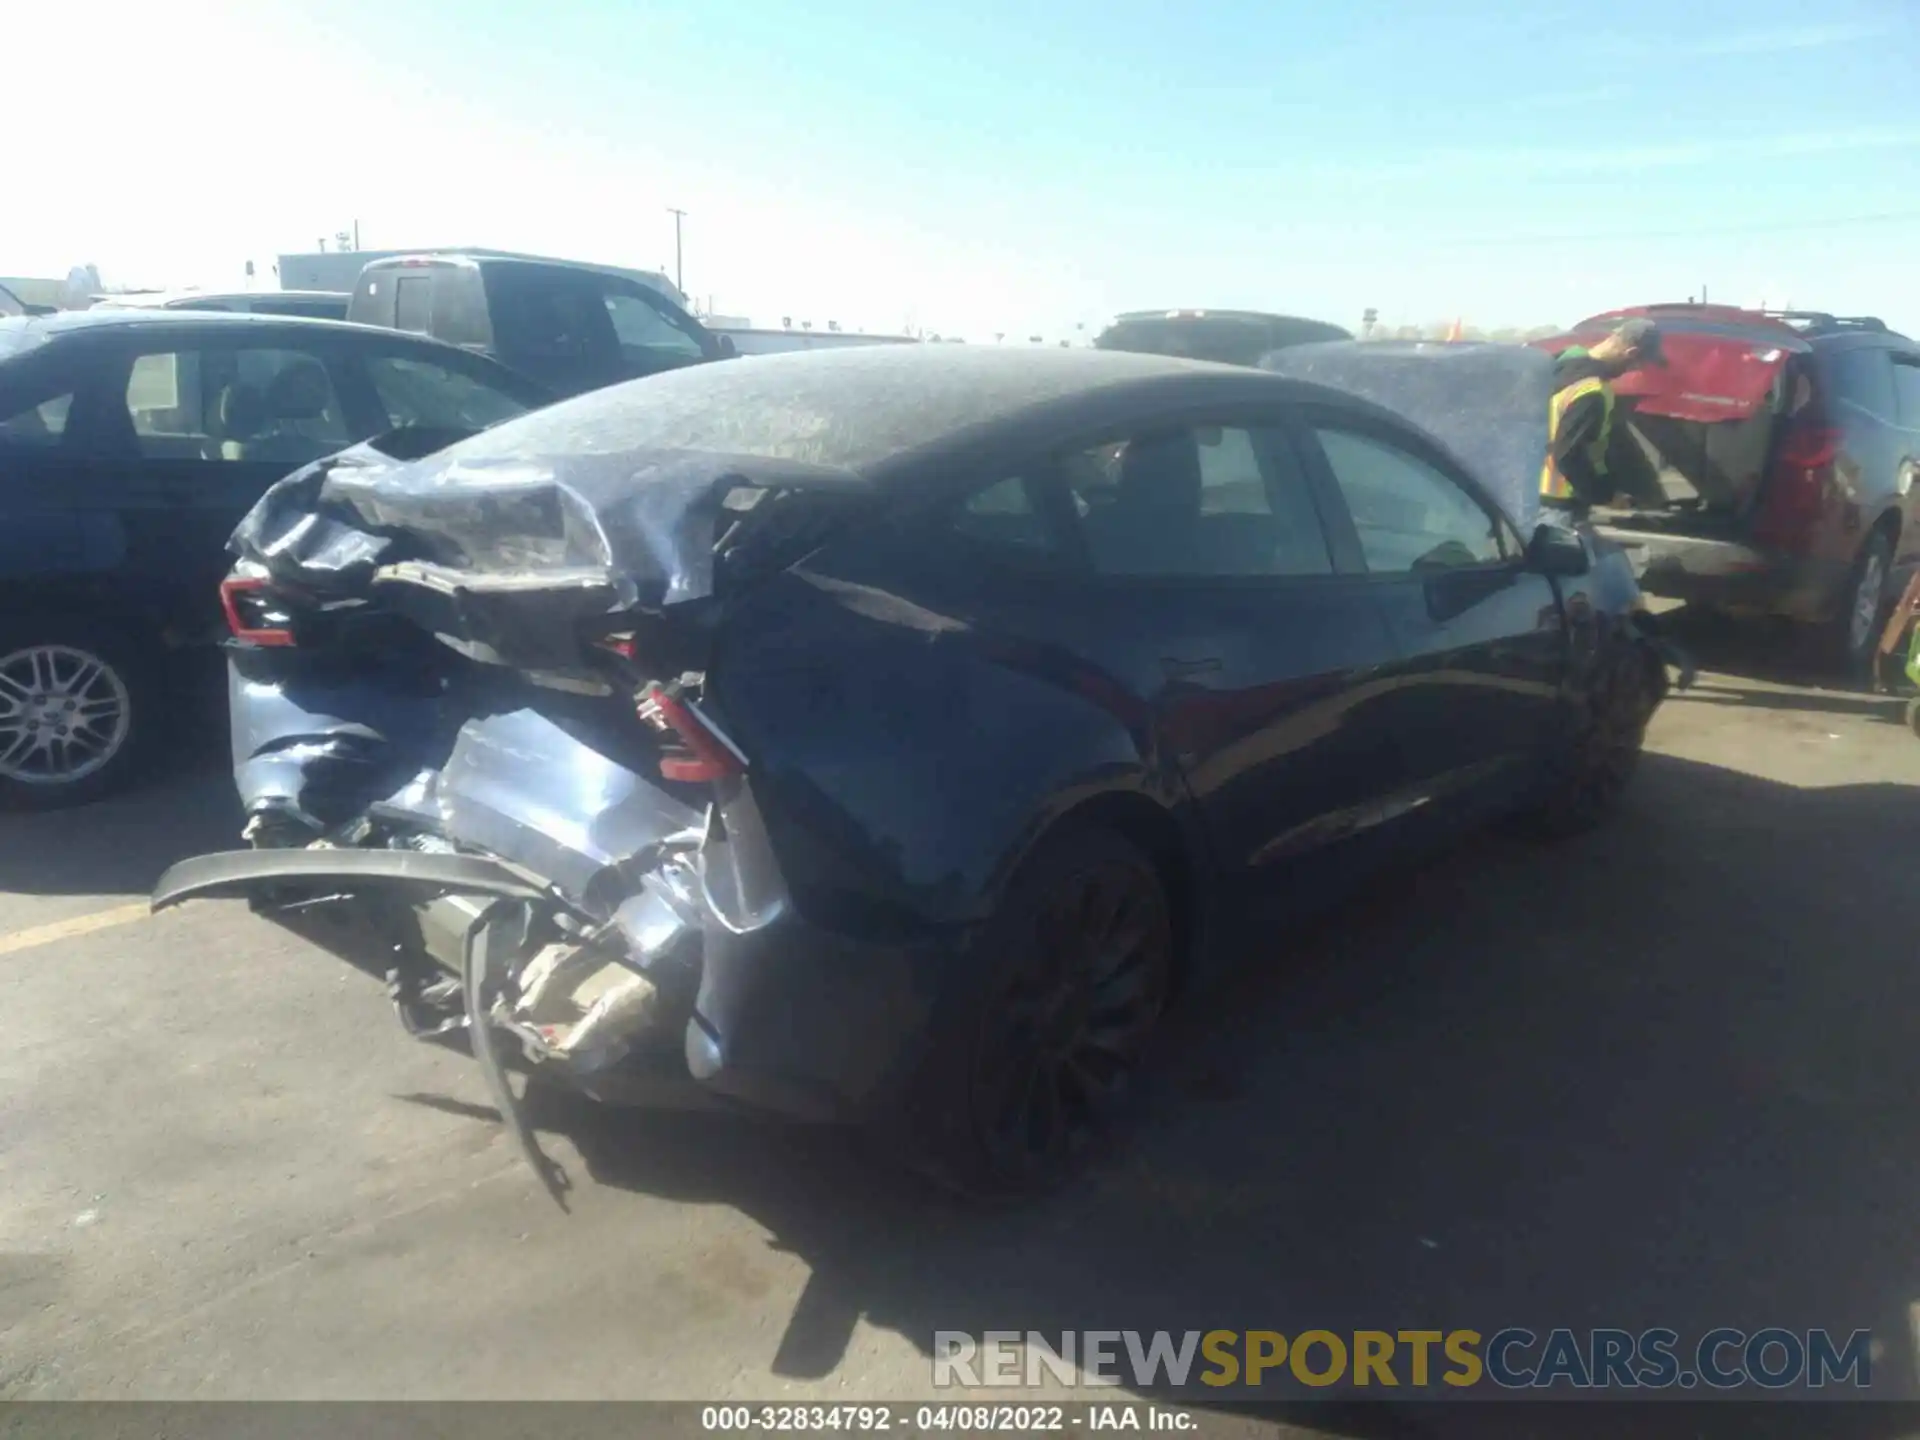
(1599, 758)
(1864, 605)
(1079, 967)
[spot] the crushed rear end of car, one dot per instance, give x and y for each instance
(478, 758)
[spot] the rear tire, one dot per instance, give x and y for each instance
(1864, 605)
(1032, 1068)
(1591, 771)
(79, 709)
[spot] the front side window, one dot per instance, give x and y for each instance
(1410, 516)
(419, 394)
(246, 405)
(642, 325)
(1005, 519)
(1204, 502)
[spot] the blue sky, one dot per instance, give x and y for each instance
(1009, 167)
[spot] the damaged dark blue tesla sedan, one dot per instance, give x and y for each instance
(890, 735)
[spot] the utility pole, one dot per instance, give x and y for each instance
(679, 281)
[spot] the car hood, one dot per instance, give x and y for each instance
(1486, 404)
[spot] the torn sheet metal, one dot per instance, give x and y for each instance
(1487, 404)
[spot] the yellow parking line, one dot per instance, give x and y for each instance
(78, 925)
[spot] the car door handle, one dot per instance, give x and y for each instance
(1177, 669)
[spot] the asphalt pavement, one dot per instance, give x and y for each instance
(1664, 1074)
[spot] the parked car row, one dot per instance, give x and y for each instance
(1768, 468)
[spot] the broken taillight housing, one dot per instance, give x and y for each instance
(698, 751)
(253, 612)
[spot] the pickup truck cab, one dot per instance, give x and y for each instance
(571, 328)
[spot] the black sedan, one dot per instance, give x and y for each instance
(891, 735)
(131, 443)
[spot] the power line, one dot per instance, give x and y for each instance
(1838, 222)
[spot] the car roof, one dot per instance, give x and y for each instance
(157, 299)
(20, 335)
(861, 408)
(1263, 317)
(109, 317)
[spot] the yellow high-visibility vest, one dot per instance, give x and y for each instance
(1553, 485)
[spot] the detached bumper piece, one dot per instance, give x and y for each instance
(576, 998)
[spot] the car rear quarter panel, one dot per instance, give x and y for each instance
(906, 757)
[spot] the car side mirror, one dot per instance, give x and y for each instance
(1554, 550)
(724, 344)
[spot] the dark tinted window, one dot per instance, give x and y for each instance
(413, 303)
(1409, 515)
(1861, 379)
(420, 394)
(248, 405)
(1201, 501)
(36, 417)
(310, 309)
(1008, 517)
(1906, 385)
(550, 320)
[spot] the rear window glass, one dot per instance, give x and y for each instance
(413, 303)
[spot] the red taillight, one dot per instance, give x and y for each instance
(708, 755)
(241, 597)
(1797, 487)
(1810, 447)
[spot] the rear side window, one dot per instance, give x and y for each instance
(1410, 517)
(1202, 502)
(421, 394)
(1906, 385)
(243, 405)
(1861, 380)
(550, 319)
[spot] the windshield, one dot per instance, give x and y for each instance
(1485, 403)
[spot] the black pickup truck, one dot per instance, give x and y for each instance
(572, 328)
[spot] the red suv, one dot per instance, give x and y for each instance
(1769, 468)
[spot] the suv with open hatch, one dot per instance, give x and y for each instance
(1768, 468)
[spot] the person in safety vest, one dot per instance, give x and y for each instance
(1580, 425)
(1581, 416)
